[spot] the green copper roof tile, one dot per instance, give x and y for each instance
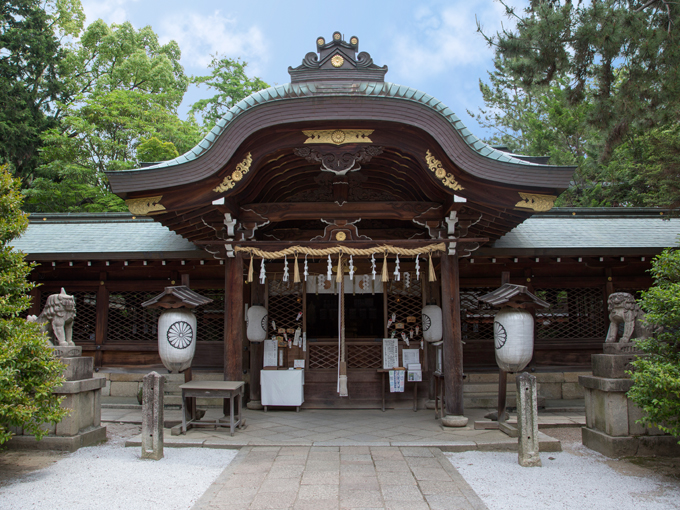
(310, 89)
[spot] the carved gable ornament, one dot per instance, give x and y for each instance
(337, 59)
(241, 170)
(144, 206)
(440, 172)
(539, 203)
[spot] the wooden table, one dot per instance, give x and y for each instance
(214, 389)
(384, 371)
(438, 383)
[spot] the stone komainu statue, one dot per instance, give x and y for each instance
(59, 312)
(624, 309)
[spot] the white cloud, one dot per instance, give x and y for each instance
(200, 36)
(438, 42)
(111, 11)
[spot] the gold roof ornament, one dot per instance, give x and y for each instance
(539, 203)
(436, 166)
(230, 180)
(144, 206)
(337, 61)
(338, 136)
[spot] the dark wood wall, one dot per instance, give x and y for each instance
(112, 327)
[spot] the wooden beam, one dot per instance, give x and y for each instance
(453, 342)
(233, 318)
(405, 211)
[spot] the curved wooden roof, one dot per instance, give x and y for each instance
(406, 155)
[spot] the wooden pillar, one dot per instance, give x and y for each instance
(453, 341)
(102, 324)
(233, 318)
(34, 309)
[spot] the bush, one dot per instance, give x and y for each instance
(656, 375)
(28, 371)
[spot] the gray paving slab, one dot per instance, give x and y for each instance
(424, 480)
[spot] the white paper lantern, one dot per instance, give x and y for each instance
(257, 323)
(513, 333)
(177, 338)
(432, 323)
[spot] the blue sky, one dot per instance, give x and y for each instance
(430, 45)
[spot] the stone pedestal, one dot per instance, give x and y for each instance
(611, 427)
(82, 395)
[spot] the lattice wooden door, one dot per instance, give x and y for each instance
(284, 305)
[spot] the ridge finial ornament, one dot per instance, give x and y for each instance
(539, 203)
(144, 206)
(230, 180)
(440, 172)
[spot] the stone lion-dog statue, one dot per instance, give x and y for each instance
(57, 318)
(624, 309)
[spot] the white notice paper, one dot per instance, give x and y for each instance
(390, 353)
(271, 357)
(411, 356)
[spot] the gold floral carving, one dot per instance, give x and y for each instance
(144, 206)
(436, 166)
(231, 180)
(539, 203)
(339, 136)
(337, 61)
(340, 236)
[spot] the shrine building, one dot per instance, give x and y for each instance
(344, 204)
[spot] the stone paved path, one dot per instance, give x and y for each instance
(345, 477)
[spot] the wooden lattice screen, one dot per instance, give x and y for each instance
(574, 313)
(476, 316)
(284, 305)
(128, 321)
(210, 317)
(364, 355)
(321, 357)
(406, 301)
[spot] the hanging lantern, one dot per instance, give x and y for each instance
(177, 326)
(513, 334)
(513, 326)
(257, 324)
(177, 339)
(432, 323)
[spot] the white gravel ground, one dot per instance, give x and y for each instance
(579, 480)
(114, 477)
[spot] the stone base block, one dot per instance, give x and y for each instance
(64, 444)
(612, 366)
(642, 446)
(255, 405)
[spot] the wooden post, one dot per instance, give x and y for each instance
(185, 279)
(34, 309)
(102, 322)
(502, 374)
(233, 318)
(453, 341)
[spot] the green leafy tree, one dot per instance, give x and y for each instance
(656, 375)
(626, 51)
(590, 83)
(29, 81)
(229, 78)
(153, 149)
(126, 88)
(28, 371)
